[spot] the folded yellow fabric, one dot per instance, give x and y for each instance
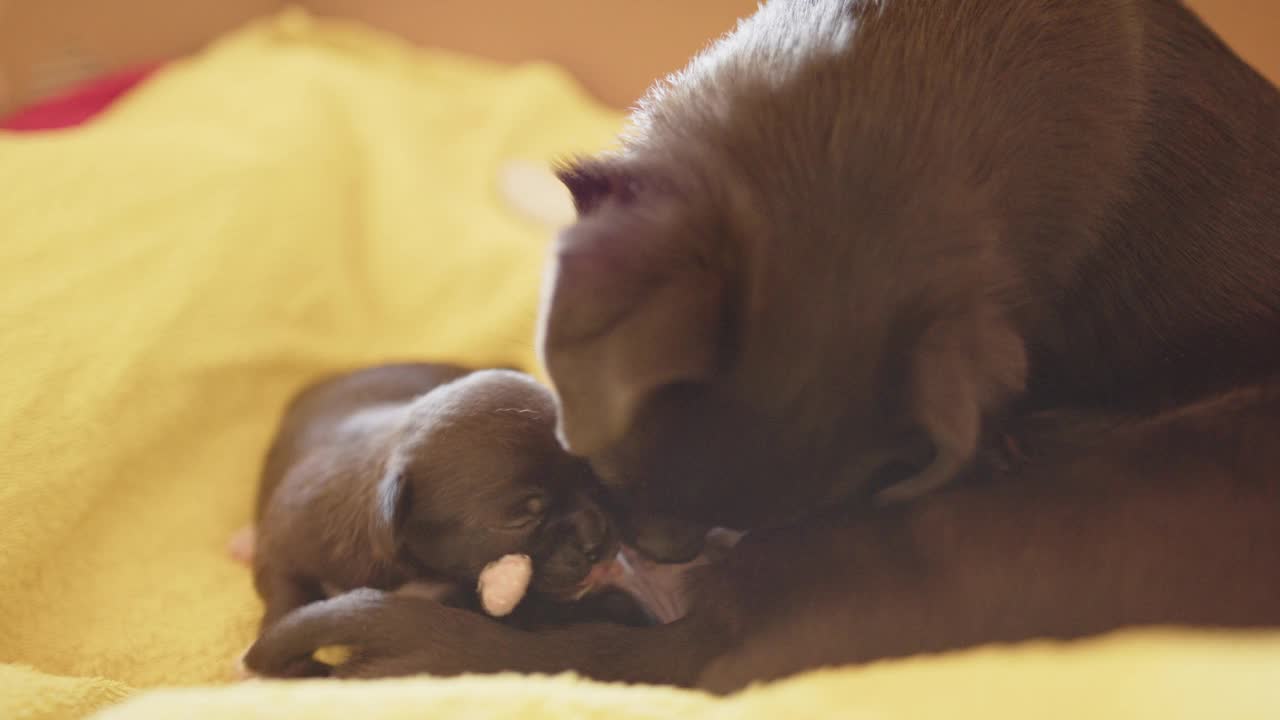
(1161, 676)
(301, 197)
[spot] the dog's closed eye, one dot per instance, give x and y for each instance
(527, 512)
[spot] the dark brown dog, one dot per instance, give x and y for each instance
(846, 250)
(422, 472)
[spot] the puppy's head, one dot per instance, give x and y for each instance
(478, 474)
(771, 304)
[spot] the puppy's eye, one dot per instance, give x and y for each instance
(535, 505)
(528, 512)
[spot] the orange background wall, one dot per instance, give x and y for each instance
(616, 47)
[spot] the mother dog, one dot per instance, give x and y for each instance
(847, 258)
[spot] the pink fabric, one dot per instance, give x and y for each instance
(78, 105)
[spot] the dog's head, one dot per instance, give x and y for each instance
(478, 474)
(770, 304)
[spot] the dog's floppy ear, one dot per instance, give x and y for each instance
(590, 182)
(391, 497)
(965, 367)
(632, 306)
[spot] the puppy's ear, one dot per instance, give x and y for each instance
(632, 306)
(392, 496)
(965, 368)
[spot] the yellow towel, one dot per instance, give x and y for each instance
(306, 196)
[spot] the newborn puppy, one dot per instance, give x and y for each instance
(419, 472)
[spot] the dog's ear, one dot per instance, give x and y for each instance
(965, 368)
(392, 497)
(590, 182)
(632, 306)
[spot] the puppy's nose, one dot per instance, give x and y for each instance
(592, 533)
(592, 550)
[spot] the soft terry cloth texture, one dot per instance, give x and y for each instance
(300, 198)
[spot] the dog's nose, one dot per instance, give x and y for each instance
(592, 549)
(592, 533)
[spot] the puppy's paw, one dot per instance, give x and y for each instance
(503, 583)
(241, 545)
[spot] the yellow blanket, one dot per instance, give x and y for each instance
(302, 197)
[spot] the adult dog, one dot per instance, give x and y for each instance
(842, 258)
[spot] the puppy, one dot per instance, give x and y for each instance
(845, 249)
(422, 472)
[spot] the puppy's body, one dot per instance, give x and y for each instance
(420, 472)
(330, 452)
(850, 245)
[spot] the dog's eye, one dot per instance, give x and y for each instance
(535, 505)
(528, 511)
